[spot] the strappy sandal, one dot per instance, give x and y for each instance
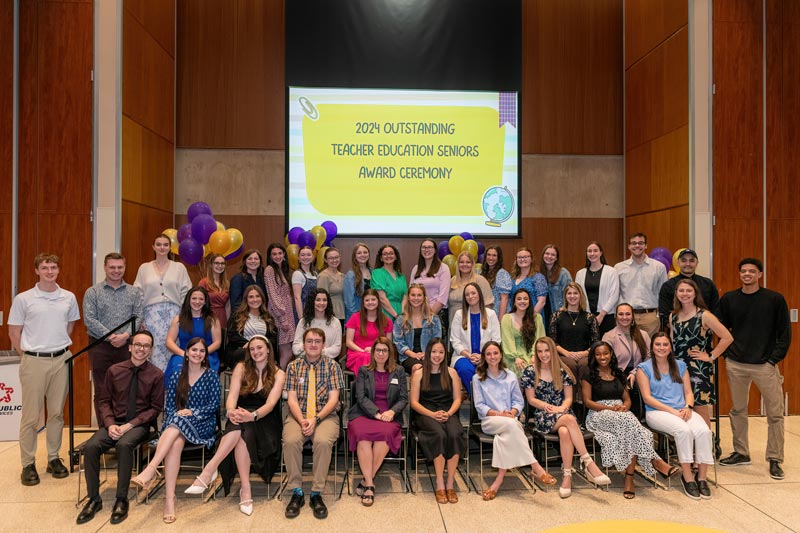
(360, 488)
(368, 499)
(629, 494)
(170, 518)
(489, 494)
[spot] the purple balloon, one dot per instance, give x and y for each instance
(481, 257)
(443, 249)
(661, 250)
(307, 239)
(664, 261)
(184, 232)
(294, 234)
(202, 228)
(331, 231)
(466, 235)
(198, 208)
(191, 251)
(481, 249)
(235, 254)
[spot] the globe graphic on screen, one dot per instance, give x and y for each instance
(497, 205)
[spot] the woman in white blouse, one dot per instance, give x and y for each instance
(473, 315)
(600, 283)
(318, 313)
(164, 284)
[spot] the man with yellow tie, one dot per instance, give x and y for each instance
(312, 385)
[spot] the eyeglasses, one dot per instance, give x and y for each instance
(217, 263)
(381, 350)
(637, 243)
(428, 247)
(313, 341)
(140, 346)
(523, 257)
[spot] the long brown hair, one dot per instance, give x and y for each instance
(427, 367)
(698, 302)
(380, 320)
(224, 284)
(490, 273)
(391, 363)
(674, 373)
(260, 269)
(185, 316)
(357, 268)
(528, 327)
(550, 275)
(465, 307)
(280, 272)
(250, 374)
(556, 366)
(436, 263)
(516, 270)
(242, 312)
(482, 369)
(635, 331)
(182, 389)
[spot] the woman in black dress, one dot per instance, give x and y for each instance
(574, 328)
(435, 399)
(253, 432)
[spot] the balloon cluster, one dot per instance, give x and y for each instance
(668, 259)
(203, 235)
(449, 250)
(318, 238)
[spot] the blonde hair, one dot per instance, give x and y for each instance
(455, 281)
(427, 312)
(556, 366)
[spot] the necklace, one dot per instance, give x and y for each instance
(573, 318)
(595, 273)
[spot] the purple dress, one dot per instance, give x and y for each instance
(371, 429)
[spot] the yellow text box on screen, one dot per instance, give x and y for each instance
(345, 143)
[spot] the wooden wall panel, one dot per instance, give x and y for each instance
(55, 154)
(668, 227)
(240, 45)
(147, 166)
(572, 77)
(148, 79)
(6, 155)
(157, 18)
(648, 23)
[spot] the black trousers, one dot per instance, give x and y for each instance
(99, 443)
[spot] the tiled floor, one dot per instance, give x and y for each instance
(747, 501)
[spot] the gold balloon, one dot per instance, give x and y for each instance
(672, 274)
(675, 256)
(455, 243)
(206, 250)
(172, 233)
(291, 256)
(321, 257)
(220, 226)
(451, 261)
(471, 247)
(320, 234)
(236, 240)
(220, 242)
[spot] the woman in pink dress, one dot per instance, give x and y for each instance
(363, 328)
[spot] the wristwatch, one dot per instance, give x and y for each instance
(255, 416)
(316, 419)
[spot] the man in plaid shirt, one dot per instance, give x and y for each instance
(313, 383)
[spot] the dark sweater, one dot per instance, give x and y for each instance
(760, 326)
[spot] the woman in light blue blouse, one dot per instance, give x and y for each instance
(415, 328)
(556, 277)
(498, 277)
(524, 276)
(357, 280)
(498, 401)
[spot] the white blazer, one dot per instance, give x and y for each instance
(609, 288)
(460, 338)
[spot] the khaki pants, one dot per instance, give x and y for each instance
(324, 437)
(769, 381)
(44, 381)
(649, 322)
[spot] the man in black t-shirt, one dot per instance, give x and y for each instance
(687, 262)
(759, 321)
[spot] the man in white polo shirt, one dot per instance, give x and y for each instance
(40, 324)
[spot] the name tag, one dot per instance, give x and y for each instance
(394, 382)
(301, 380)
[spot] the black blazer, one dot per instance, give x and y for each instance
(396, 395)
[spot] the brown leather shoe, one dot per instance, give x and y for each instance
(452, 497)
(441, 496)
(489, 494)
(547, 479)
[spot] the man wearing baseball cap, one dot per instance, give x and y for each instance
(687, 263)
